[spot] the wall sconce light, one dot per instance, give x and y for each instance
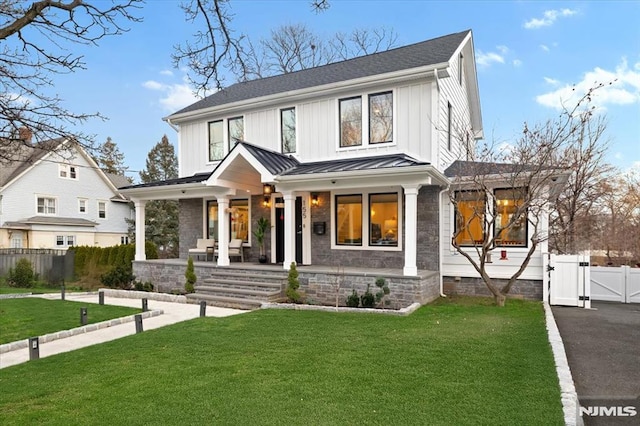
(267, 201)
(267, 189)
(314, 200)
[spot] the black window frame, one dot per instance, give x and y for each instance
(340, 101)
(456, 215)
(525, 244)
(369, 97)
(282, 132)
(337, 208)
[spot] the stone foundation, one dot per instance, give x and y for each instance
(525, 289)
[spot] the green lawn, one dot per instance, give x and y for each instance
(29, 317)
(447, 364)
(12, 290)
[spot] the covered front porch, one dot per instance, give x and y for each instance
(318, 284)
(372, 212)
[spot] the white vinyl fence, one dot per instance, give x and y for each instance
(615, 284)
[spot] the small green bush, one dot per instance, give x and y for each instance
(143, 286)
(190, 275)
(22, 275)
(118, 277)
(381, 283)
(150, 250)
(368, 300)
(353, 301)
(293, 284)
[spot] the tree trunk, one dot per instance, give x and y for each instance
(500, 299)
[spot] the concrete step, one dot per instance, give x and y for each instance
(249, 276)
(242, 284)
(224, 301)
(245, 292)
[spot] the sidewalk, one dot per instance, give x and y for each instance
(172, 313)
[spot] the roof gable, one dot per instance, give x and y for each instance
(426, 53)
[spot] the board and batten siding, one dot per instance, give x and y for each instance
(317, 127)
(455, 265)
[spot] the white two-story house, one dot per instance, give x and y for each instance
(347, 162)
(58, 198)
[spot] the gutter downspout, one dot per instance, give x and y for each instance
(441, 238)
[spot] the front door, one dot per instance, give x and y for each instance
(280, 221)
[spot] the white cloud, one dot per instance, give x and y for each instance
(621, 87)
(175, 95)
(545, 47)
(517, 63)
(551, 81)
(549, 17)
(167, 73)
(486, 59)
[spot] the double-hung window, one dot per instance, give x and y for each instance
(82, 205)
(46, 205)
(216, 140)
(102, 209)
(469, 218)
(511, 217)
(66, 171)
(288, 130)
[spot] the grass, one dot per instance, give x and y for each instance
(448, 363)
(30, 317)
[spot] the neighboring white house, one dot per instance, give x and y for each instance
(346, 160)
(60, 199)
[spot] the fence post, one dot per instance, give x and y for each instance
(83, 316)
(101, 298)
(138, 323)
(145, 305)
(203, 308)
(62, 291)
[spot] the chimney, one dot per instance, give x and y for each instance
(25, 134)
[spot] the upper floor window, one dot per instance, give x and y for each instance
(511, 217)
(67, 171)
(288, 130)
(469, 218)
(449, 126)
(381, 117)
(216, 141)
(46, 205)
(82, 205)
(460, 67)
(351, 122)
(102, 209)
(235, 130)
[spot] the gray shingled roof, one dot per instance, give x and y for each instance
(54, 220)
(196, 178)
(28, 155)
(355, 164)
(430, 52)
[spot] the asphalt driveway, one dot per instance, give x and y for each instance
(603, 350)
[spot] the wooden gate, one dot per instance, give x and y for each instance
(569, 280)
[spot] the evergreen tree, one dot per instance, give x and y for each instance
(162, 215)
(110, 158)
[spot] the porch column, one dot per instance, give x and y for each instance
(411, 229)
(289, 229)
(223, 231)
(140, 229)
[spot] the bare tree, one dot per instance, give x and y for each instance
(502, 196)
(217, 53)
(36, 46)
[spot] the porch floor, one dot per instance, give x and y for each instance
(314, 269)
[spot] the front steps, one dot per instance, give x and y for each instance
(240, 289)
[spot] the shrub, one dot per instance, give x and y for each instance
(353, 301)
(190, 275)
(143, 286)
(22, 276)
(150, 250)
(118, 277)
(293, 284)
(381, 283)
(368, 300)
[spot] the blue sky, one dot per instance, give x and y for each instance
(529, 55)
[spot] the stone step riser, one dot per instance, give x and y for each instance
(234, 293)
(241, 286)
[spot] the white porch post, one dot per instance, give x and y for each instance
(411, 229)
(289, 229)
(223, 231)
(140, 228)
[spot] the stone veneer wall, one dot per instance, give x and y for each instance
(427, 238)
(317, 286)
(526, 289)
(191, 222)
